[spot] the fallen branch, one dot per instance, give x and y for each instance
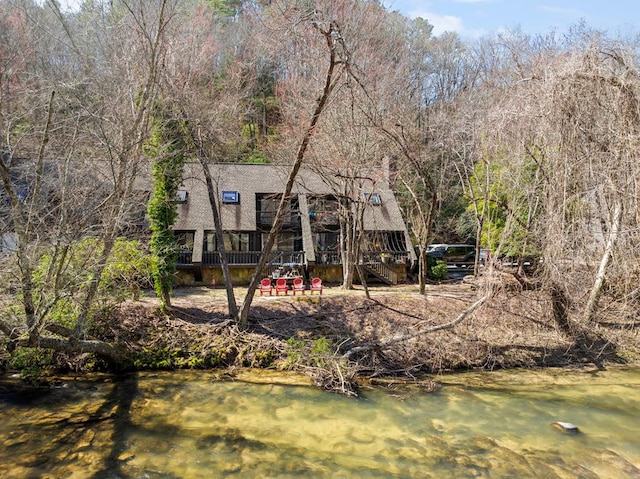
(63, 331)
(399, 339)
(101, 348)
(9, 331)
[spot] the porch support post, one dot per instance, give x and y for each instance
(198, 241)
(407, 240)
(307, 236)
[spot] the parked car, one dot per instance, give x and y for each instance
(452, 253)
(436, 250)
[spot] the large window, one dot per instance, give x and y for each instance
(267, 207)
(236, 241)
(287, 241)
(327, 241)
(233, 241)
(384, 241)
(323, 212)
(184, 240)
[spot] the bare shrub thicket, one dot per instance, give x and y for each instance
(564, 138)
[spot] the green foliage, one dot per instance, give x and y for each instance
(448, 215)
(156, 358)
(164, 356)
(259, 126)
(307, 299)
(256, 156)
(263, 359)
(495, 216)
(294, 351)
(308, 353)
(128, 267)
(436, 269)
(65, 312)
(249, 132)
(66, 277)
(167, 148)
(252, 151)
(225, 8)
(466, 227)
(31, 362)
(12, 314)
(168, 358)
(320, 347)
(509, 203)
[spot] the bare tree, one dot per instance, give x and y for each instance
(106, 130)
(562, 133)
(203, 76)
(338, 63)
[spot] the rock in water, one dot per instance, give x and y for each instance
(566, 427)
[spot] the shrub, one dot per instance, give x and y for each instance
(31, 362)
(436, 269)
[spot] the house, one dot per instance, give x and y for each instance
(309, 240)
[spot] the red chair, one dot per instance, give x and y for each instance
(298, 285)
(265, 286)
(316, 285)
(281, 286)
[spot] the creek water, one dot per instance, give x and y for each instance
(195, 425)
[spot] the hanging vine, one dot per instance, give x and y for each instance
(167, 149)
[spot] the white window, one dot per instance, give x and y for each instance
(373, 198)
(182, 196)
(232, 197)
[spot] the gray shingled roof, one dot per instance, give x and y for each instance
(250, 179)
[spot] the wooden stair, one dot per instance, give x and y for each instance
(382, 271)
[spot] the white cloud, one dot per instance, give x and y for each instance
(444, 23)
(70, 5)
(441, 23)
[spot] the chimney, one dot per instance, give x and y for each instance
(386, 170)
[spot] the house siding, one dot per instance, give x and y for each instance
(250, 181)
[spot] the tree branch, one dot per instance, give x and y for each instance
(406, 337)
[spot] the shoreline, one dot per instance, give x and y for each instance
(311, 334)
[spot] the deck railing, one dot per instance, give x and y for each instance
(389, 257)
(252, 257)
(293, 257)
(267, 218)
(185, 257)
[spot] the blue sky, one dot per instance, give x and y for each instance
(474, 18)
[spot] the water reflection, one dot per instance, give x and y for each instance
(191, 425)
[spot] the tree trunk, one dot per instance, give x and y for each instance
(350, 251)
(100, 348)
(346, 244)
(596, 290)
(332, 36)
(363, 280)
(422, 269)
(560, 305)
(476, 262)
(92, 290)
(213, 201)
(358, 234)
